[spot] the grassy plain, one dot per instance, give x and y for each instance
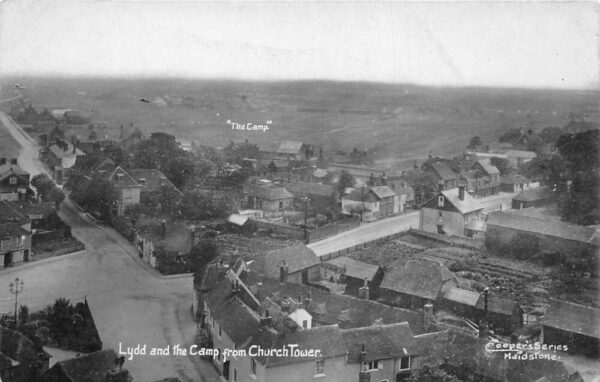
(404, 122)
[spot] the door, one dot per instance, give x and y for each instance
(305, 276)
(226, 370)
(7, 259)
(26, 255)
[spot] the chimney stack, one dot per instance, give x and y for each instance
(461, 192)
(283, 271)
(363, 292)
(427, 316)
(267, 320)
(440, 185)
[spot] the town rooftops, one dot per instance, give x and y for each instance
(487, 166)
(151, 180)
(65, 151)
(297, 258)
(309, 189)
(16, 349)
(533, 195)
(544, 226)
(573, 318)
(289, 147)
(35, 210)
(423, 278)
(237, 320)
(462, 296)
(355, 268)
(177, 236)
(269, 192)
(380, 342)
(90, 367)
(237, 219)
(380, 192)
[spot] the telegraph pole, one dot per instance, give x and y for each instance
(15, 288)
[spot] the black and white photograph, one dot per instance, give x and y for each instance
(299, 191)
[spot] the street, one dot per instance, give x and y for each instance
(130, 302)
(366, 232)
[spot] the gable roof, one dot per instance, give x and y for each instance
(126, 182)
(7, 169)
(289, 147)
(383, 192)
(269, 192)
(90, 367)
(423, 278)
(497, 305)
(60, 153)
(10, 230)
(309, 189)
(9, 213)
(15, 348)
(297, 258)
(380, 342)
(487, 166)
(443, 171)
(573, 318)
(462, 296)
(355, 268)
(469, 204)
(544, 226)
(153, 179)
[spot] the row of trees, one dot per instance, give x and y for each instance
(47, 190)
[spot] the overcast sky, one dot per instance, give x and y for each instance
(517, 44)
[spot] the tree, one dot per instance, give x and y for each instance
(197, 205)
(43, 184)
(179, 170)
(431, 374)
(203, 253)
(502, 165)
(57, 196)
(95, 195)
(169, 200)
(156, 151)
(345, 180)
(474, 142)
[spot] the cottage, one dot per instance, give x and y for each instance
(14, 181)
(444, 176)
(321, 196)
(128, 189)
(452, 212)
(15, 244)
(536, 197)
(156, 238)
(60, 157)
(269, 197)
(572, 325)
(21, 360)
(412, 283)
(372, 203)
(295, 264)
(294, 150)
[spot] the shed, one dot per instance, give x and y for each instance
(504, 315)
(460, 301)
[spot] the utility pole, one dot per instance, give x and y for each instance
(16, 287)
(306, 200)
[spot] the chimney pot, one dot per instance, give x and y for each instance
(427, 316)
(461, 192)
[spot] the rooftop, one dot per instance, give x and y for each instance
(289, 147)
(269, 192)
(297, 258)
(90, 367)
(533, 195)
(380, 342)
(151, 180)
(310, 188)
(355, 268)
(9, 213)
(121, 179)
(488, 167)
(572, 317)
(443, 171)
(462, 296)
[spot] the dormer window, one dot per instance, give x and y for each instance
(13, 180)
(440, 201)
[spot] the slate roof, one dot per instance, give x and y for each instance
(469, 204)
(8, 168)
(297, 258)
(309, 189)
(15, 348)
(10, 230)
(90, 367)
(237, 320)
(269, 192)
(488, 167)
(497, 305)
(462, 296)
(289, 147)
(355, 268)
(423, 278)
(154, 179)
(9, 213)
(380, 342)
(383, 192)
(532, 195)
(573, 318)
(549, 227)
(443, 171)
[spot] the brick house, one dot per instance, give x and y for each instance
(444, 176)
(483, 179)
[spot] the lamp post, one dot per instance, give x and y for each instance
(16, 287)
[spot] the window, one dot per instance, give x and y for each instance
(440, 201)
(320, 366)
(234, 375)
(305, 324)
(405, 363)
(13, 180)
(280, 205)
(371, 365)
(253, 366)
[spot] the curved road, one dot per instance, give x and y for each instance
(131, 303)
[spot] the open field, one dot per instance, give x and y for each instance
(401, 121)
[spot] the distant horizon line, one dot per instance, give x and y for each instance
(591, 88)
